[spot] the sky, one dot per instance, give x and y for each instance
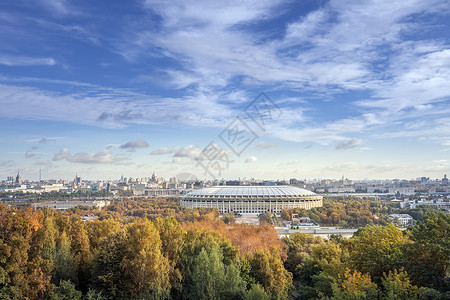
(225, 89)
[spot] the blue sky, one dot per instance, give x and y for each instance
(105, 88)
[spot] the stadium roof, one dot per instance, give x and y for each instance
(250, 191)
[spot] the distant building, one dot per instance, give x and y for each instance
(138, 189)
(76, 182)
(424, 180)
(342, 189)
(401, 219)
(18, 179)
(49, 188)
(63, 205)
(402, 190)
(445, 180)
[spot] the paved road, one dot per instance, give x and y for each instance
(317, 231)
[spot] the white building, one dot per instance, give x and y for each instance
(401, 219)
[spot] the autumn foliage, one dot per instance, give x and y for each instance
(124, 254)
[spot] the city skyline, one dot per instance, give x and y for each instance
(361, 89)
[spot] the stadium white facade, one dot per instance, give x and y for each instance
(252, 199)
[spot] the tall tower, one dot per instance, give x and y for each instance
(76, 182)
(18, 178)
(40, 175)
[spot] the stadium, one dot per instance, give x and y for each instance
(251, 199)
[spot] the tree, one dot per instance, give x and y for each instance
(431, 251)
(213, 280)
(66, 291)
(354, 285)
(397, 285)
(268, 270)
(145, 268)
(229, 218)
(377, 249)
(266, 218)
(172, 241)
(98, 230)
(107, 273)
(197, 240)
(285, 215)
(21, 275)
(64, 268)
(80, 248)
(326, 263)
(300, 246)
(256, 292)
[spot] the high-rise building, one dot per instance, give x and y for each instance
(76, 182)
(445, 180)
(18, 178)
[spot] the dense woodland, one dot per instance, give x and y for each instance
(153, 249)
(355, 213)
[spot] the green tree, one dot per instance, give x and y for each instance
(80, 248)
(172, 241)
(66, 291)
(300, 246)
(213, 280)
(326, 264)
(144, 266)
(98, 230)
(377, 249)
(107, 274)
(93, 295)
(397, 286)
(268, 270)
(256, 292)
(64, 268)
(353, 286)
(431, 252)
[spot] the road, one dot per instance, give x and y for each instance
(317, 231)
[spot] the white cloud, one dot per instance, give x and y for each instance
(101, 157)
(251, 159)
(334, 49)
(134, 145)
(63, 154)
(161, 151)
(57, 6)
(177, 160)
(353, 143)
(46, 163)
(266, 145)
(191, 151)
(112, 108)
(25, 61)
(45, 140)
(30, 154)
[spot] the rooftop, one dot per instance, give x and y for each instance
(245, 191)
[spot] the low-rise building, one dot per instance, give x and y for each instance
(63, 205)
(401, 219)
